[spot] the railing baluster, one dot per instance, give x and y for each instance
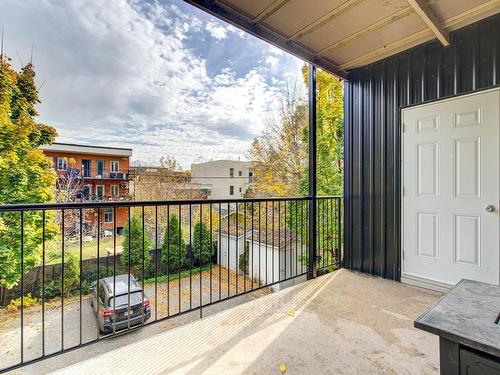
(98, 266)
(302, 237)
(156, 263)
(128, 264)
(260, 251)
(43, 283)
(296, 248)
(114, 265)
(236, 255)
(273, 244)
(211, 250)
(279, 240)
(285, 236)
(339, 231)
(266, 232)
(81, 266)
(143, 264)
(190, 260)
(245, 253)
(253, 240)
(201, 259)
(62, 281)
(220, 252)
(22, 286)
(179, 255)
(228, 250)
(168, 259)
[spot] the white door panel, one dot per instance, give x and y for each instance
(450, 174)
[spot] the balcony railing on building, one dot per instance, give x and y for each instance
(181, 256)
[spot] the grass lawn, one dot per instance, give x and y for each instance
(89, 249)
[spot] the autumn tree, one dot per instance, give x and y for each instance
(26, 175)
(280, 152)
(329, 134)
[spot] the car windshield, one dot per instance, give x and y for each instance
(135, 298)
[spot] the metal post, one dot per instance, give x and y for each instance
(312, 171)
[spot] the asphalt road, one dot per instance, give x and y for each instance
(165, 304)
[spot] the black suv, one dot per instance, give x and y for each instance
(119, 302)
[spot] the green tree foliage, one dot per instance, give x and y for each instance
(173, 252)
(330, 158)
(202, 248)
(71, 274)
(138, 249)
(329, 135)
(26, 175)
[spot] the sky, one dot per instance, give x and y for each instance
(158, 76)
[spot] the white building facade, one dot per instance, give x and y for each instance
(228, 179)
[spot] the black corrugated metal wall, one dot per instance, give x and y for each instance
(373, 97)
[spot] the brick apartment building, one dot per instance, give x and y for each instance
(94, 173)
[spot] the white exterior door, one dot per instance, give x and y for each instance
(451, 190)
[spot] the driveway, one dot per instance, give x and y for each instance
(166, 303)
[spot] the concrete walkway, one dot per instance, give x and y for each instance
(343, 322)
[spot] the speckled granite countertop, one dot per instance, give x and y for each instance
(466, 315)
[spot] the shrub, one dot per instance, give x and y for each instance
(15, 304)
(71, 273)
(85, 287)
(139, 246)
(173, 252)
(243, 260)
(52, 290)
(202, 247)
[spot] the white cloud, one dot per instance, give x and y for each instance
(120, 73)
(272, 61)
(216, 30)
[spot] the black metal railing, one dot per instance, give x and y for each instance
(65, 278)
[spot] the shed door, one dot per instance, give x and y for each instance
(451, 190)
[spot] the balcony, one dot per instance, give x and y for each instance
(179, 255)
(343, 322)
(85, 174)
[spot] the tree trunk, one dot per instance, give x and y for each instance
(3, 295)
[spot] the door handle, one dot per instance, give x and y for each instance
(490, 208)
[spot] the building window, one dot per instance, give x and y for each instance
(115, 190)
(86, 165)
(231, 172)
(99, 192)
(250, 177)
(99, 166)
(240, 190)
(87, 191)
(231, 190)
(62, 164)
(115, 166)
(108, 215)
(240, 173)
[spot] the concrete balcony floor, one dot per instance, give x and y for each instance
(340, 323)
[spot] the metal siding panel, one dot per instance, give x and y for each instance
(378, 167)
(367, 178)
(376, 94)
(432, 72)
